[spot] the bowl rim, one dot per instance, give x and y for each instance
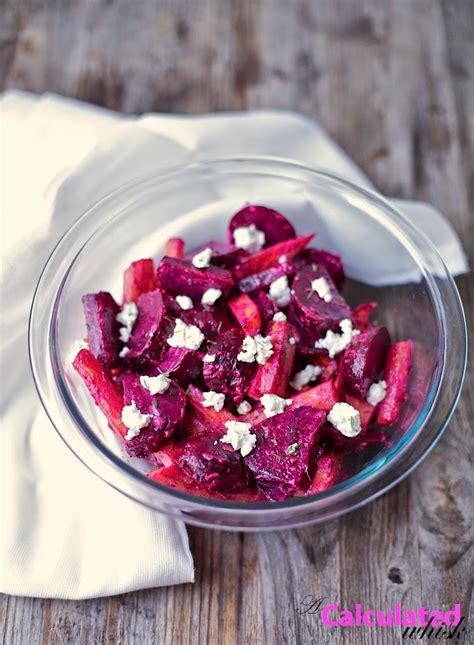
(370, 473)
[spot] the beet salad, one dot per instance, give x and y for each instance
(237, 369)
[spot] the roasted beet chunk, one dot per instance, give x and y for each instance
(223, 255)
(274, 225)
(146, 341)
(182, 365)
(264, 279)
(271, 256)
(363, 360)
(397, 371)
(182, 278)
(285, 451)
(139, 278)
(246, 313)
(312, 314)
(225, 374)
(100, 311)
(174, 247)
(165, 411)
(328, 468)
(273, 376)
(329, 261)
(266, 305)
(211, 465)
(106, 394)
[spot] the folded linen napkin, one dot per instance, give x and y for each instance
(64, 533)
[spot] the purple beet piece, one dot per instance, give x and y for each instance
(275, 225)
(308, 332)
(226, 374)
(363, 360)
(263, 279)
(182, 365)
(166, 411)
(266, 305)
(217, 468)
(330, 261)
(285, 451)
(146, 341)
(311, 311)
(182, 278)
(211, 323)
(100, 311)
(223, 254)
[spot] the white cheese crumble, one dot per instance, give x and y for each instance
(346, 419)
(293, 449)
(239, 436)
(280, 291)
(258, 348)
(322, 288)
(244, 407)
(305, 376)
(124, 351)
(184, 302)
(279, 317)
(134, 420)
(282, 259)
(292, 341)
(377, 392)
(336, 343)
(213, 400)
(209, 358)
(187, 336)
(202, 259)
(249, 238)
(127, 318)
(273, 404)
(155, 384)
(210, 296)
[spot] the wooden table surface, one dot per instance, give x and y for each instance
(390, 80)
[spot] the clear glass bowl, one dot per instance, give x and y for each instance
(378, 244)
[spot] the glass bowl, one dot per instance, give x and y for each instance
(387, 259)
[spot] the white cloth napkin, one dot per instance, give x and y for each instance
(64, 533)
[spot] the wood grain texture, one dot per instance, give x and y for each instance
(393, 82)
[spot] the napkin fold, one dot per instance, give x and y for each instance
(64, 533)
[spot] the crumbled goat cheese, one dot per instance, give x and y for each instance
(273, 404)
(184, 302)
(282, 259)
(209, 358)
(258, 348)
(279, 317)
(280, 291)
(336, 343)
(377, 392)
(210, 296)
(346, 419)
(187, 336)
(292, 341)
(124, 351)
(213, 400)
(155, 384)
(305, 376)
(293, 449)
(134, 420)
(322, 288)
(239, 436)
(202, 259)
(244, 407)
(127, 318)
(249, 238)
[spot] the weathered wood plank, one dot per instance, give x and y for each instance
(391, 81)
